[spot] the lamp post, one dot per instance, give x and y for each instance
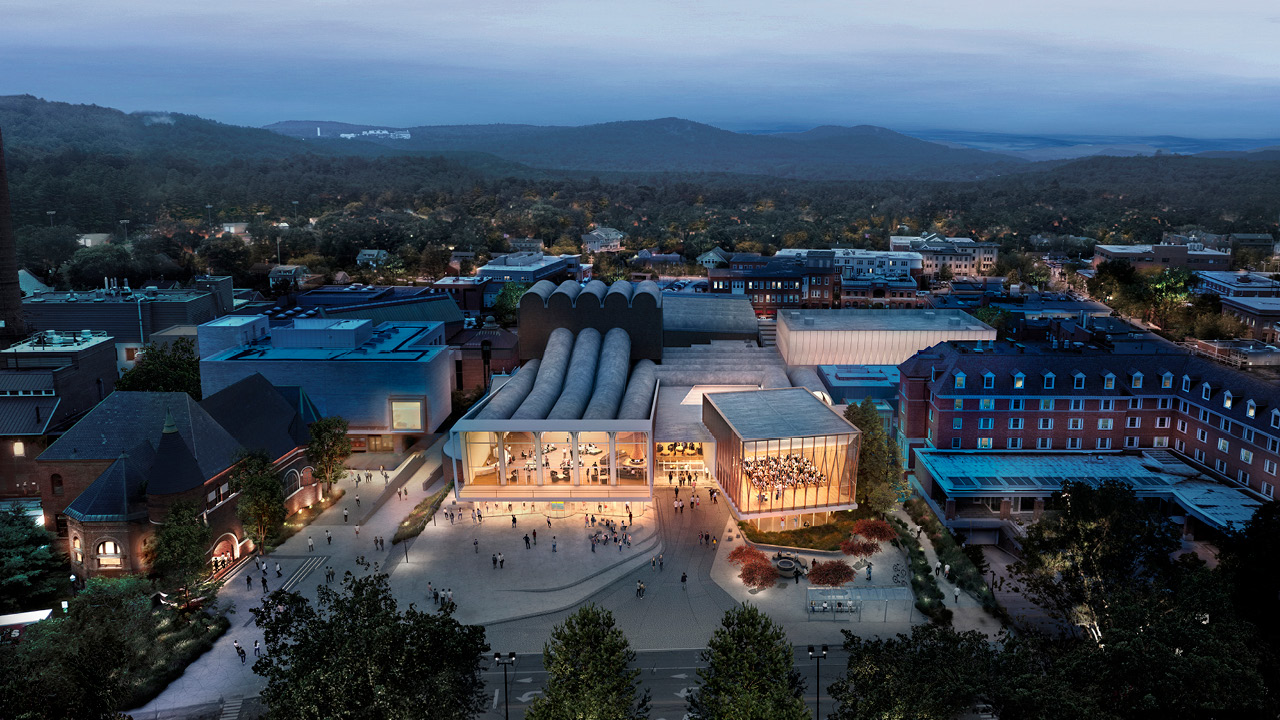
(50, 213)
(506, 662)
(208, 215)
(277, 249)
(125, 224)
(816, 656)
(295, 210)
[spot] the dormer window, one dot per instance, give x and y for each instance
(1228, 400)
(1275, 418)
(1109, 381)
(1205, 391)
(1166, 380)
(1251, 409)
(959, 381)
(1048, 381)
(1079, 383)
(1186, 383)
(1135, 381)
(988, 380)
(1019, 381)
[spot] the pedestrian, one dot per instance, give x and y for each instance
(868, 572)
(501, 561)
(535, 537)
(937, 568)
(345, 514)
(526, 541)
(473, 514)
(548, 522)
(643, 587)
(328, 536)
(593, 543)
(357, 499)
(435, 596)
(797, 576)
(476, 544)
(450, 514)
(264, 583)
(638, 588)
(631, 518)
(311, 544)
(553, 543)
(278, 573)
(955, 594)
(450, 594)
(918, 531)
(715, 542)
(946, 571)
(257, 651)
(653, 563)
(660, 561)
(357, 531)
(248, 579)
(495, 561)
(479, 517)
(428, 589)
(239, 650)
(684, 578)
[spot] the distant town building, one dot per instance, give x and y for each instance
(235, 228)
(371, 258)
(1237, 284)
(525, 245)
(531, 267)
(1260, 314)
(714, 258)
(777, 283)
(294, 276)
(93, 239)
(651, 256)
(871, 337)
(859, 263)
(1193, 256)
(964, 257)
(602, 239)
(467, 292)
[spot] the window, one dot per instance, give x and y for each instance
(1202, 435)
(1223, 445)
(1220, 466)
(1273, 445)
(1268, 490)
(1166, 380)
(1106, 404)
(957, 423)
(1275, 418)
(1225, 424)
(1251, 409)
(1046, 403)
(1186, 383)
(1247, 434)
(1048, 381)
(109, 555)
(1015, 423)
(985, 423)
(1077, 404)
(77, 551)
(955, 443)
(1227, 400)
(1161, 441)
(1019, 381)
(1246, 456)
(1269, 466)
(55, 483)
(988, 381)
(1104, 424)
(1135, 403)
(1179, 446)
(958, 404)
(1203, 415)
(1182, 426)
(19, 449)
(1046, 423)
(1015, 404)
(1079, 383)
(1073, 443)
(1075, 423)
(984, 443)
(1014, 443)
(406, 414)
(1243, 477)
(1109, 381)
(1198, 455)
(1133, 422)
(959, 381)
(1135, 381)
(1163, 422)
(1103, 444)
(1044, 443)
(987, 404)
(1131, 441)
(1164, 403)
(1205, 391)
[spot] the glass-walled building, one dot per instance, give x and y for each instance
(783, 458)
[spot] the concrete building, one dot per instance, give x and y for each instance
(468, 293)
(130, 317)
(1237, 284)
(638, 309)
(1261, 314)
(530, 267)
(603, 239)
(871, 337)
(392, 382)
(700, 318)
(964, 257)
(1158, 257)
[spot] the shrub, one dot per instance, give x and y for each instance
(873, 529)
(413, 525)
(923, 583)
(859, 548)
(832, 573)
(818, 537)
(747, 554)
(965, 574)
(759, 573)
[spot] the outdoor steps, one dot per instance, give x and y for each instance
(768, 332)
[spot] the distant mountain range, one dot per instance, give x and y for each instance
(1070, 147)
(677, 145)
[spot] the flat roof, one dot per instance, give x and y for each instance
(1256, 304)
(232, 321)
(53, 341)
(860, 375)
(389, 343)
(863, 320)
(709, 312)
(778, 413)
(1151, 474)
(679, 413)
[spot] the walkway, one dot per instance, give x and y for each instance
(967, 612)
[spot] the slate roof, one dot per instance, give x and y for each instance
(174, 469)
(125, 420)
(273, 425)
(122, 484)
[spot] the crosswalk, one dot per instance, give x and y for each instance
(301, 573)
(231, 708)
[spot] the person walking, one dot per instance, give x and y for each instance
(535, 537)
(638, 586)
(476, 544)
(526, 541)
(257, 651)
(653, 563)
(553, 543)
(642, 589)
(495, 561)
(684, 579)
(593, 543)
(660, 562)
(479, 517)
(946, 571)
(548, 522)
(248, 579)
(357, 499)
(513, 521)
(955, 594)
(357, 531)
(311, 544)
(239, 650)
(501, 561)
(278, 573)
(473, 514)
(715, 542)
(328, 536)
(869, 572)
(937, 568)
(264, 583)
(345, 515)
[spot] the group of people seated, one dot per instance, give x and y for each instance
(680, 448)
(778, 472)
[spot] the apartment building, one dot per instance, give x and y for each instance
(964, 257)
(774, 283)
(1192, 256)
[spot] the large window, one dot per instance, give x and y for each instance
(482, 458)
(522, 458)
(633, 458)
(110, 555)
(794, 473)
(593, 451)
(558, 458)
(406, 414)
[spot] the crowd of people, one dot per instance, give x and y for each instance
(779, 472)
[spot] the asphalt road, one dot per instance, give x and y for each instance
(669, 675)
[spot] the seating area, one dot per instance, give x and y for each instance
(679, 448)
(781, 472)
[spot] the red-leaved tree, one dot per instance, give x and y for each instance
(746, 554)
(859, 548)
(832, 573)
(872, 529)
(759, 573)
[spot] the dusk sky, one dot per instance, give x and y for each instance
(1075, 66)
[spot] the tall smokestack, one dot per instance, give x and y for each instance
(12, 328)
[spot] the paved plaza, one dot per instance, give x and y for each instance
(537, 587)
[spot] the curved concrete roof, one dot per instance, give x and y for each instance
(623, 288)
(569, 289)
(775, 378)
(546, 389)
(580, 378)
(638, 401)
(808, 379)
(510, 396)
(648, 287)
(596, 288)
(542, 289)
(611, 376)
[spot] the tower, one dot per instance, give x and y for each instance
(12, 328)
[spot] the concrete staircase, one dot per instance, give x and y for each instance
(768, 332)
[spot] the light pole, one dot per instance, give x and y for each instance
(295, 210)
(208, 215)
(277, 249)
(125, 224)
(50, 213)
(817, 656)
(506, 662)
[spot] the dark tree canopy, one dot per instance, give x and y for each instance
(165, 367)
(31, 572)
(178, 552)
(329, 448)
(589, 672)
(750, 671)
(261, 503)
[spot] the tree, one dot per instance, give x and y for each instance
(178, 552)
(874, 529)
(884, 678)
(434, 261)
(859, 547)
(759, 574)
(506, 308)
(31, 573)
(1168, 291)
(1248, 565)
(588, 662)
(750, 671)
(90, 265)
(165, 367)
(832, 573)
(228, 255)
(79, 665)
(880, 482)
(1093, 545)
(328, 449)
(261, 503)
(355, 654)
(42, 250)
(945, 274)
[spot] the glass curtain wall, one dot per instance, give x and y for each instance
(594, 452)
(633, 458)
(558, 456)
(482, 457)
(784, 474)
(522, 459)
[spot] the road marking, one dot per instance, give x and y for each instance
(301, 573)
(681, 676)
(528, 696)
(685, 692)
(525, 680)
(495, 698)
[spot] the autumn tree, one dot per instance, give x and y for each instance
(832, 573)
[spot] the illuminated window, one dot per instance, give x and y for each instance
(1019, 381)
(959, 381)
(406, 414)
(1166, 380)
(19, 449)
(984, 443)
(1228, 400)
(1109, 381)
(1251, 410)
(109, 555)
(1136, 381)
(77, 550)
(987, 404)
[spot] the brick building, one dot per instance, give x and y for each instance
(1260, 314)
(1158, 257)
(776, 283)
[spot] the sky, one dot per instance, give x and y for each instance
(1129, 67)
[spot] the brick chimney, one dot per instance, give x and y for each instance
(12, 327)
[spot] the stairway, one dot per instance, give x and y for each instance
(768, 332)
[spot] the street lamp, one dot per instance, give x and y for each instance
(125, 224)
(208, 215)
(816, 656)
(277, 249)
(506, 662)
(295, 209)
(50, 213)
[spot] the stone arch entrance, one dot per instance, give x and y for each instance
(227, 545)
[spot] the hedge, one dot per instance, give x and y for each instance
(950, 553)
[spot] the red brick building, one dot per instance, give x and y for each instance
(776, 283)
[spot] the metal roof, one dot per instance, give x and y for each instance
(778, 413)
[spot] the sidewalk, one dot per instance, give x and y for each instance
(967, 614)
